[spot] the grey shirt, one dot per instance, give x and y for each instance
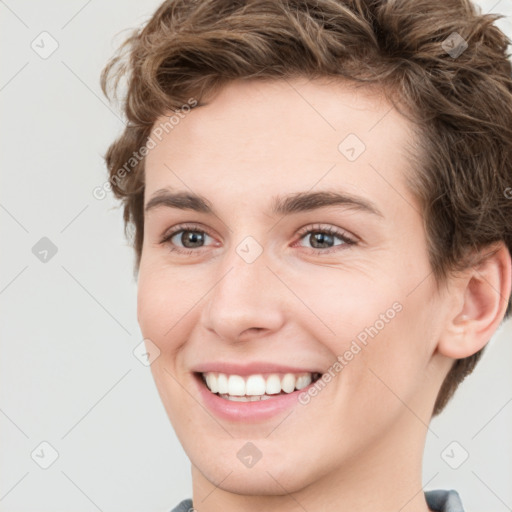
(440, 501)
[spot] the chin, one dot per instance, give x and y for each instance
(264, 480)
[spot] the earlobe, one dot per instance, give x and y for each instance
(484, 293)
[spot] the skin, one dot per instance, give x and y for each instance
(358, 444)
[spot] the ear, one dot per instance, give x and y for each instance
(481, 296)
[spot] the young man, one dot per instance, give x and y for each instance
(323, 235)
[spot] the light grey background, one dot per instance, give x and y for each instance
(68, 374)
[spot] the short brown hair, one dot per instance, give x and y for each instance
(460, 100)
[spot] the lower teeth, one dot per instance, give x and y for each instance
(255, 398)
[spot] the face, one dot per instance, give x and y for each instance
(282, 244)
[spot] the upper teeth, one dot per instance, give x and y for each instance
(258, 384)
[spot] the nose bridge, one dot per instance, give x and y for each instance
(245, 295)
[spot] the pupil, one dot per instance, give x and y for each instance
(193, 237)
(321, 238)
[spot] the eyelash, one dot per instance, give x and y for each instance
(302, 233)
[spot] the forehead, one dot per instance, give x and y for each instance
(266, 136)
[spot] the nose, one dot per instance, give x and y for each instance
(247, 301)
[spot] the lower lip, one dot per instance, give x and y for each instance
(247, 411)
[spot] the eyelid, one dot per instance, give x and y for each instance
(335, 231)
(193, 226)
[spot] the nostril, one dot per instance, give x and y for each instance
(250, 332)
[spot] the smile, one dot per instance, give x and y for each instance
(256, 387)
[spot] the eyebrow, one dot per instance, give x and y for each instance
(280, 205)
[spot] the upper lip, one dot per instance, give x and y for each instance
(250, 368)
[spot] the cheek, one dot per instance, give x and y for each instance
(378, 331)
(349, 305)
(164, 305)
(391, 369)
(151, 304)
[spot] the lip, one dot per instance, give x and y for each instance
(248, 412)
(251, 368)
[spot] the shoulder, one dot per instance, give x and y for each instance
(444, 501)
(184, 506)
